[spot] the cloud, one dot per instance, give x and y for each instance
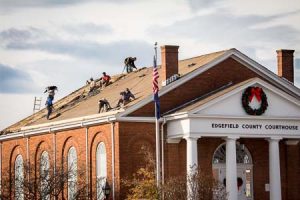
(255, 35)
(15, 80)
(297, 64)
(109, 53)
(12, 4)
(88, 29)
(227, 29)
(201, 4)
(15, 35)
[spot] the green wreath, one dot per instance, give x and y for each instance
(248, 95)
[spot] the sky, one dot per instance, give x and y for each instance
(65, 42)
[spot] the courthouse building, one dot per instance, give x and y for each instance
(222, 111)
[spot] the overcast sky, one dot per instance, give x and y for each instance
(65, 42)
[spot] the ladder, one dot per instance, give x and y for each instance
(37, 104)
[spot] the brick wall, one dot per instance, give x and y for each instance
(134, 137)
(64, 140)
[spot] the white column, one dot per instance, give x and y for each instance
(274, 169)
(191, 163)
(231, 169)
(191, 153)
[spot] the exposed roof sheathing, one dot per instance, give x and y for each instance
(78, 103)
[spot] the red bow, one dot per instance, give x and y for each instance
(255, 91)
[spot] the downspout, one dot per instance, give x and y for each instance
(113, 158)
(0, 168)
(86, 160)
(27, 155)
(54, 160)
(162, 152)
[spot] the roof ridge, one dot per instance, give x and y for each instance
(216, 52)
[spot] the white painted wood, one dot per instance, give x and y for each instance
(274, 169)
(231, 169)
(231, 104)
(191, 162)
(255, 127)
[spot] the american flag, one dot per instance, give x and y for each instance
(156, 89)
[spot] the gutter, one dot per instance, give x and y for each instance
(113, 158)
(63, 125)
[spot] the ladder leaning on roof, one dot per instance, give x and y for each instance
(37, 104)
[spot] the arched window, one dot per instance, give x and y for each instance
(242, 154)
(45, 176)
(19, 178)
(101, 172)
(72, 173)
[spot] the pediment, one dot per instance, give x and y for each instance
(280, 104)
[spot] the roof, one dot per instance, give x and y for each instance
(79, 103)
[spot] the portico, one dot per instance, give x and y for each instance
(224, 117)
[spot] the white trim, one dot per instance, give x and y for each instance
(87, 160)
(72, 123)
(236, 90)
(48, 128)
(136, 119)
(113, 158)
(85, 119)
(0, 168)
(250, 63)
(185, 115)
(232, 135)
(54, 159)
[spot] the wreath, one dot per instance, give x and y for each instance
(247, 97)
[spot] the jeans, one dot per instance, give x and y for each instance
(49, 108)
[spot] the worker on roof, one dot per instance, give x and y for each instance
(129, 64)
(50, 90)
(129, 94)
(49, 105)
(92, 84)
(125, 97)
(104, 105)
(104, 80)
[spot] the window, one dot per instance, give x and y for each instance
(72, 173)
(242, 154)
(101, 172)
(19, 178)
(44, 176)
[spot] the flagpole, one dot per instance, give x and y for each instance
(157, 138)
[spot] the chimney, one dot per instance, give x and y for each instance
(169, 62)
(285, 64)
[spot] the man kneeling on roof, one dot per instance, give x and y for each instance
(104, 80)
(125, 97)
(104, 105)
(129, 63)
